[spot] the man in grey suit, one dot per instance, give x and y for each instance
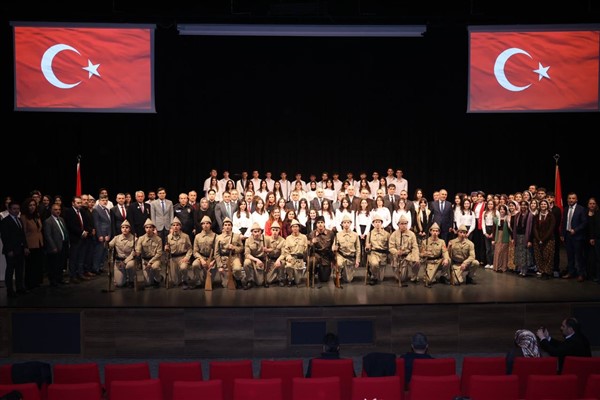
(443, 214)
(103, 225)
(161, 213)
(225, 209)
(56, 243)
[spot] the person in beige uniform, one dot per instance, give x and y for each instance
(377, 246)
(273, 248)
(405, 252)
(180, 247)
(124, 268)
(149, 248)
(347, 249)
(255, 258)
(204, 244)
(294, 253)
(462, 256)
(435, 256)
(229, 244)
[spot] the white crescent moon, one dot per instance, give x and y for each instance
(499, 69)
(46, 65)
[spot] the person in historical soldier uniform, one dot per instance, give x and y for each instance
(180, 248)
(204, 244)
(149, 248)
(405, 252)
(462, 256)
(255, 258)
(377, 247)
(435, 256)
(320, 256)
(273, 248)
(347, 249)
(294, 253)
(229, 245)
(124, 267)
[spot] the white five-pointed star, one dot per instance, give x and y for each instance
(542, 71)
(92, 69)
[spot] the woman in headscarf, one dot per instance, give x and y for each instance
(526, 345)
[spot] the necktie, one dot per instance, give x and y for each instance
(391, 198)
(142, 207)
(228, 206)
(106, 211)
(162, 203)
(296, 206)
(18, 222)
(442, 206)
(123, 213)
(80, 219)
(62, 229)
(569, 217)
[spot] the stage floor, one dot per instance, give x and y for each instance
(490, 288)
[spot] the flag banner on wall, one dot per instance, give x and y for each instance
(533, 69)
(104, 68)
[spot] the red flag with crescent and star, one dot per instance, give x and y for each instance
(84, 68)
(533, 71)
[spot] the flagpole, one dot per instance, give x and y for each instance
(78, 177)
(558, 201)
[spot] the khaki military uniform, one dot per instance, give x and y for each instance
(180, 248)
(255, 271)
(294, 250)
(377, 257)
(348, 253)
(204, 244)
(124, 256)
(276, 247)
(462, 253)
(320, 255)
(222, 256)
(150, 250)
(434, 254)
(405, 255)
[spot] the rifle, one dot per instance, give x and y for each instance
(230, 281)
(363, 255)
(401, 264)
(336, 266)
(453, 278)
(423, 260)
(266, 267)
(208, 281)
(167, 272)
(111, 263)
(308, 265)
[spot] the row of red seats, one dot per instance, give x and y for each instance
(492, 387)
(227, 371)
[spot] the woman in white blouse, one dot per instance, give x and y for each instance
(260, 214)
(327, 213)
(401, 211)
(241, 220)
(383, 212)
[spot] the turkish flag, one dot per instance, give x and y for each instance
(89, 68)
(78, 179)
(533, 71)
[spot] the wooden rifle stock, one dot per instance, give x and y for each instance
(336, 266)
(168, 271)
(230, 280)
(366, 259)
(137, 266)
(111, 264)
(208, 281)
(453, 278)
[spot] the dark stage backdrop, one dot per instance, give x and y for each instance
(298, 104)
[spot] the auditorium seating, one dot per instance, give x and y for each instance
(75, 391)
(147, 389)
(525, 366)
(76, 373)
(434, 366)
(6, 374)
(494, 387)
(286, 370)
(258, 389)
(30, 391)
(342, 368)
(124, 372)
(190, 390)
(540, 387)
(424, 387)
(592, 387)
(316, 388)
(227, 371)
(582, 367)
(480, 366)
(169, 372)
(384, 387)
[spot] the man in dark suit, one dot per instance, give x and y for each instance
(575, 343)
(56, 244)
(573, 234)
(391, 198)
(225, 209)
(443, 214)
(118, 214)
(137, 213)
(15, 249)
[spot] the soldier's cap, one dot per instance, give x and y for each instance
(255, 226)
(320, 218)
(403, 219)
(206, 218)
(176, 221)
(346, 217)
(376, 217)
(275, 225)
(149, 222)
(434, 226)
(294, 222)
(227, 219)
(126, 223)
(463, 228)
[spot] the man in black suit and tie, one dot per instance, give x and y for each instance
(575, 343)
(573, 234)
(56, 244)
(443, 214)
(15, 249)
(137, 213)
(391, 198)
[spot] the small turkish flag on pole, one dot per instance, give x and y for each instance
(528, 70)
(78, 178)
(558, 201)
